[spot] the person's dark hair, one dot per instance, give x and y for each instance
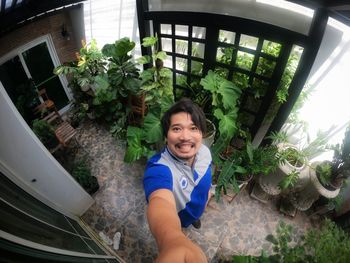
(187, 106)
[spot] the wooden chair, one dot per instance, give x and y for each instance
(46, 105)
(63, 130)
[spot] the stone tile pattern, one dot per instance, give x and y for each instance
(236, 228)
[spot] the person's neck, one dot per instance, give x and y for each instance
(188, 162)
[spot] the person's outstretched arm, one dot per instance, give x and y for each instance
(165, 226)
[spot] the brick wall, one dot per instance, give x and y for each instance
(49, 25)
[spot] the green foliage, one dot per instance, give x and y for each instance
(90, 64)
(156, 81)
(45, 132)
(157, 86)
(225, 96)
(82, 174)
(143, 141)
(290, 180)
(324, 172)
(329, 243)
(102, 81)
(249, 161)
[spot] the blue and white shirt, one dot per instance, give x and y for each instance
(190, 185)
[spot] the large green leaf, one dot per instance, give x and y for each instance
(132, 84)
(135, 150)
(160, 55)
(227, 122)
(229, 93)
(120, 48)
(152, 128)
(147, 75)
(149, 41)
(210, 82)
(144, 60)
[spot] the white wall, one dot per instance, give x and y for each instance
(23, 159)
(273, 12)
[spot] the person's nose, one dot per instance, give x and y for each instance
(185, 135)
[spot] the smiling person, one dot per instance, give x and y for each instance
(177, 182)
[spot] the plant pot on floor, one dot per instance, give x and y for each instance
(303, 200)
(271, 183)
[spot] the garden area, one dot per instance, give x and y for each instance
(271, 190)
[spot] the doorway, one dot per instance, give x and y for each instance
(29, 69)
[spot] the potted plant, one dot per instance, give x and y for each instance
(45, 132)
(156, 86)
(224, 104)
(245, 164)
(327, 177)
(82, 174)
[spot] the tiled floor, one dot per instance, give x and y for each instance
(239, 227)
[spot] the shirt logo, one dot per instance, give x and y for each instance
(183, 182)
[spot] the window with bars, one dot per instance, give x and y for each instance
(253, 63)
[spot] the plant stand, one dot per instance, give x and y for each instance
(303, 200)
(259, 194)
(270, 183)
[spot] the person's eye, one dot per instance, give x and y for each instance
(194, 128)
(176, 129)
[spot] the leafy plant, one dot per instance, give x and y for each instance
(329, 243)
(156, 80)
(45, 132)
(145, 140)
(324, 172)
(90, 63)
(224, 100)
(248, 161)
(82, 174)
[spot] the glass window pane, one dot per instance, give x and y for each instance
(248, 41)
(165, 29)
(224, 55)
(181, 30)
(198, 50)
(168, 62)
(198, 32)
(223, 72)
(27, 203)
(16, 223)
(40, 66)
(181, 47)
(265, 67)
(196, 68)
(227, 36)
(271, 48)
(244, 60)
(181, 80)
(77, 227)
(181, 64)
(166, 44)
(240, 80)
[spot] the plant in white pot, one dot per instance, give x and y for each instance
(327, 177)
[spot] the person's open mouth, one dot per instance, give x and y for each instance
(184, 146)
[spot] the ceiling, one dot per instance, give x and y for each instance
(14, 13)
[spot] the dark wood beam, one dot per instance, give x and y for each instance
(3, 2)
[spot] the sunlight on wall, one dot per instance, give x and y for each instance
(109, 20)
(329, 104)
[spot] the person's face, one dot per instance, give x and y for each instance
(184, 138)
